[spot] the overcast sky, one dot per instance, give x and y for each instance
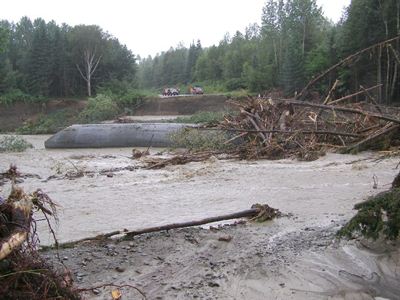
(151, 26)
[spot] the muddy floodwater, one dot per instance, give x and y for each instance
(289, 258)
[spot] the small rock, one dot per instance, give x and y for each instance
(65, 258)
(96, 291)
(227, 238)
(213, 284)
(120, 269)
(131, 244)
(282, 285)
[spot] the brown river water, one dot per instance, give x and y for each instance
(319, 194)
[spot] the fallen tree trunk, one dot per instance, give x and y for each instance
(345, 60)
(16, 215)
(372, 139)
(338, 108)
(363, 91)
(317, 132)
(257, 212)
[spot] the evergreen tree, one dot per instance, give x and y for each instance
(40, 60)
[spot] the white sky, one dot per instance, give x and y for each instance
(151, 26)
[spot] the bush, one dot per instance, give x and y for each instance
(378, 215)
(131, 98)
(198, 140)
(100, 108)
(49, 123)
(16, 95)
(14, 143)
(235, 84)
(122, 92)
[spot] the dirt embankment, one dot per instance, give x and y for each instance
(16, 115)
(182, 105)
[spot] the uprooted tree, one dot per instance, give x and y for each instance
(23, 273)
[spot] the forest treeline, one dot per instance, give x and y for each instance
(39, 59)
(293, 43)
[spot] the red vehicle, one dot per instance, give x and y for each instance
(196, 90)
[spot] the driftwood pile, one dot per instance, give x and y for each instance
(280, 128)
(23, 273)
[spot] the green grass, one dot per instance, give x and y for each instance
(203, 117)
(201, 140)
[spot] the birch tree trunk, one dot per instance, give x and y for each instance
(91, 63)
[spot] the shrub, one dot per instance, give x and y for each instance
(235, 84)
(131, 98)
(199, 140)
(378, 215)
(16, 95)
(122, 92)
(13, 143)
(13, 96)
(49, 123)
(100, 108)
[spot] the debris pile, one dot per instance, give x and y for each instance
(279, 128)
(23, 273)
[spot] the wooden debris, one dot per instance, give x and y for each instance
(309, 129)
(23, 273)
(258, 212)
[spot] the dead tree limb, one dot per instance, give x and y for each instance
(338, 108)
(250, 213)
(372, 138)
(363, 91)
(328, 97)
(253, 120)
(318, 132)
(342, 62)
(371, 98)
(264, 212)
(396, 55)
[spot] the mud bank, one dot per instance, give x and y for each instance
(16, 115)
(183, 105)
(236, 262)
(289, 258)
